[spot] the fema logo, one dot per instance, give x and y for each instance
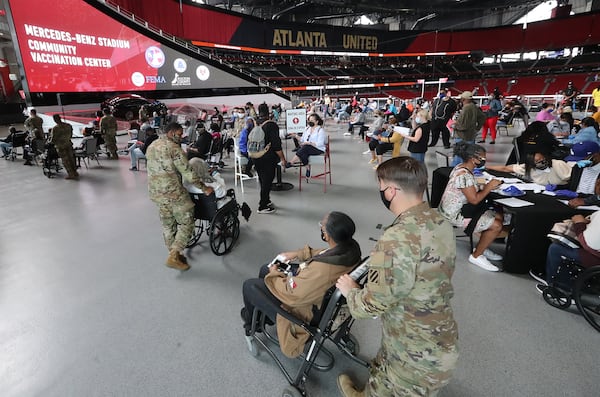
(179, 65)
(202, 72)
(155, 57)
(138, 79)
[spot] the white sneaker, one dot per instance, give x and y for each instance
(491, 255)
(483, 263)
(347, 134)
(366, 152)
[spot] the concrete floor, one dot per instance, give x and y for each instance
(89, 309)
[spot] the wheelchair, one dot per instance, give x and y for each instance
(218, 218)
(50, 161)
(583, 293)
(332, 322)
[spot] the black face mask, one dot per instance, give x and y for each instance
(311, 123)
(385, 201)
(541, 165)
(323, 235)
(481, 164)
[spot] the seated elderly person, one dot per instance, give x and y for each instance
(539, 167)
(88, 135)
(387, 140)
(587, 255)
(301, 292)
(138, 151)
(463, 189)
(588, 132)
(35, 147)
(562, 126)
(6, 143)
(210, 177)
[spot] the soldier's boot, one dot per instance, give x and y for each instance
(347, 388)
(175, 262)
(182, 258)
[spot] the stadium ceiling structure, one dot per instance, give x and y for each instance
(387, 14)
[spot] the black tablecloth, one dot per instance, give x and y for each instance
(527, 242)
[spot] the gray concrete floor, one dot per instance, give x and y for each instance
(89, 309)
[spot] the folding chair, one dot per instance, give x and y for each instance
(324, 159)
(239, 162)
(89, 152)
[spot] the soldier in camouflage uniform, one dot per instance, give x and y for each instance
(60, 136)
(33, 122)
(167, 164)
(408, 287)
(108, 127)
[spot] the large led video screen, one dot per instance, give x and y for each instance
(69, 46)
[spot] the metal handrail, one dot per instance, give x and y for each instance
(178, 41)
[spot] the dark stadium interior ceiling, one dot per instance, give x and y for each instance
(387, 14)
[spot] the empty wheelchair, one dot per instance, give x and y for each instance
(331, 322)
(583, 291)
(218, 218)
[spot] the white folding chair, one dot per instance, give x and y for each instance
(240, 162)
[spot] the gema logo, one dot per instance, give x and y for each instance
(155, 57)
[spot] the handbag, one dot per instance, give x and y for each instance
(564, 233)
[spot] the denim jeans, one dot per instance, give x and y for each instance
(457, 159)
(420, 157)
(136, 154)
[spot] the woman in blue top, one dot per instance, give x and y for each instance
(243, 144)
(588, 132)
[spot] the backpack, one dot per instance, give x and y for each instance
(256, 143)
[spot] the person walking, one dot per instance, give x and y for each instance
(266, 165)
(469, 122)
(409, 288)
(167, 166)
(441, 112)
(60, 136)
(108, 128)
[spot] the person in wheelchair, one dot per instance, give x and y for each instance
(301, 290)
(208, 175)
(35, 147)
(587, 255)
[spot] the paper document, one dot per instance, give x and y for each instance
(583, 207)
(513, 202)
(523, 186)
(404, 131)
(489, 177)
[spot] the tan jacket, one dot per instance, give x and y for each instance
(310, 285)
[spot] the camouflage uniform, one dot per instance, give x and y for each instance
(167, 164)
(61, 138)
(32, 123)
(409, 287)
(108, 127)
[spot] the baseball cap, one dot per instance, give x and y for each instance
(466, 95)
(582, 150)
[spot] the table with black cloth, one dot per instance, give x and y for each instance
(527, 244)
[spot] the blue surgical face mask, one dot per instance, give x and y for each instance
(442, 95)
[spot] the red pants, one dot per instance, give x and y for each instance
(490, 123)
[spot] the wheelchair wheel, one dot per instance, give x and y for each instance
(556, 298)
(224, 232)
(198, 230)
(587, 296)
(291, 391)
